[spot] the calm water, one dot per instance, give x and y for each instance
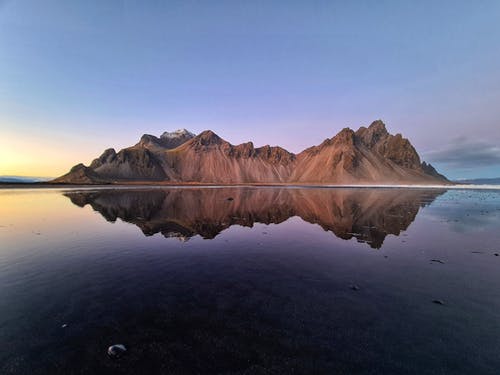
(250, 281)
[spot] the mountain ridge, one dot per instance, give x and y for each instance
(369, 155)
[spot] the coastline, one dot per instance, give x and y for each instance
(143, 185)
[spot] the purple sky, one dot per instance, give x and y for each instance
(79, 77)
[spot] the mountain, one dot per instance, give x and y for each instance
(23, 179)
(480, 181)
(367, 156)
(368, 215)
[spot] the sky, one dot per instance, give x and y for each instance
(77, 77)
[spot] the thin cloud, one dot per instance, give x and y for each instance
(466, 154)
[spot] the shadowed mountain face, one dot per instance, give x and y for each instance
(368, 156)
(368, 215)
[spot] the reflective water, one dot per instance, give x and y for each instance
(250, 281)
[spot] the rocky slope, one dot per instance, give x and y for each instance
(368, 156)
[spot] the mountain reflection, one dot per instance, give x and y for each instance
(368, 215)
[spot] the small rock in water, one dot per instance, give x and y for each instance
(355, 287)
(496, 254)
(230, 199)
(117, 350)
(438, 302)
(437, 261)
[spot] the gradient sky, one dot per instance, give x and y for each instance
(77, 77)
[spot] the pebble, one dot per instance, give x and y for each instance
(355, 287)
(438, 302)
(117, 350)
(437, 261)
(230, 199)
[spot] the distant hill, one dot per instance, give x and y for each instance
(480, 181)
(366, 156)
(23, 179)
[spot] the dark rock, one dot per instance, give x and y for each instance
(355, 287)
(117, 350)
(438, 301)
(437, 261)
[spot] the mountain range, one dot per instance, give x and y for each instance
(480, 181)
(23, 179)
(369, 155)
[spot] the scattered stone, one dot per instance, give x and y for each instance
(230, 199)
(117, 350)
(438, 301)
(355, 287)
(385, 256)
(437, 261)
(496, 254)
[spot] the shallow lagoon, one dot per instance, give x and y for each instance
(250, 281)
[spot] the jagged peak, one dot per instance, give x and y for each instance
(345, 132)
(77, 167)
(148, 140)
(208, 137)
(429, 169)
(373, 134)
(377, 125)
(109, 151)
(275, 153)
(248, 145)
(274, 148)
(148, 137)
(346, 135)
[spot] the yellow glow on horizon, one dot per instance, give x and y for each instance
(29, 156)
(13, 161)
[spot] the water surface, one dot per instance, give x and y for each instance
(250, 281)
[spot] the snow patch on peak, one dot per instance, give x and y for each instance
(179, 133)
